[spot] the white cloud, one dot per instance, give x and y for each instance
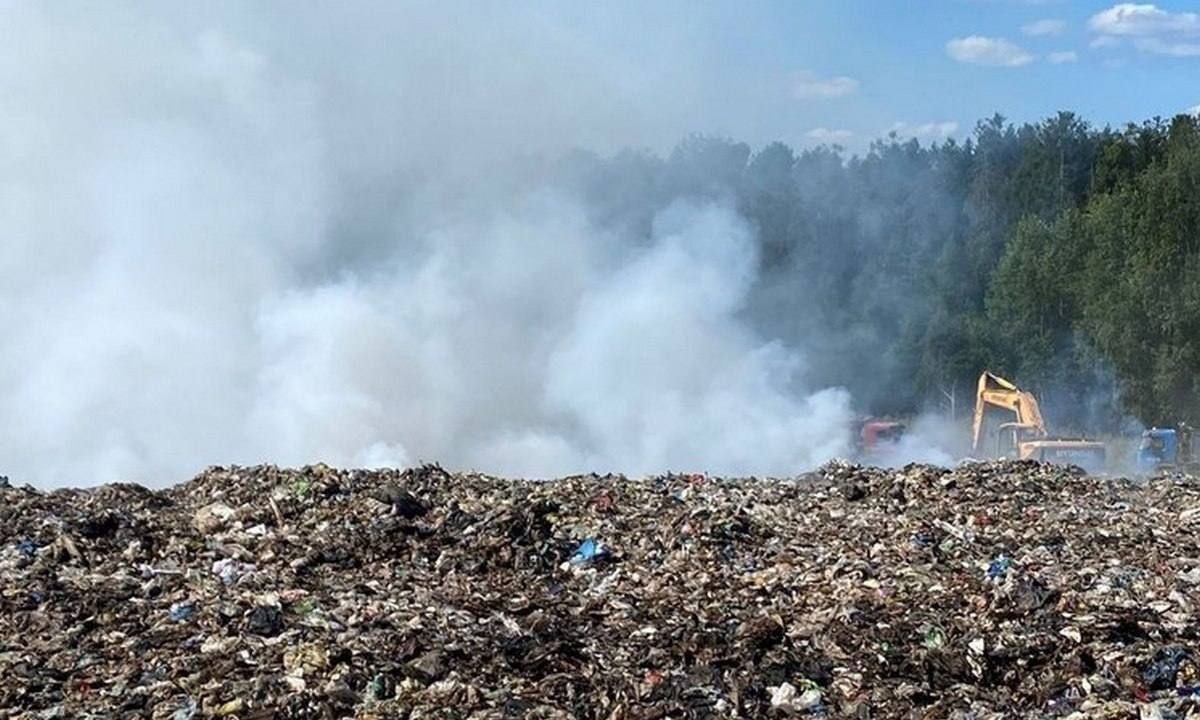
(996, 52)
(827, 135)
(1152, 29)
(933, 130)
(1194, 110)
(808, 85)
(1044, 27)
(1063, 56)
(1159, 46)
(1132, 19)
(1105, 41)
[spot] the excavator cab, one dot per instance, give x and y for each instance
(1010, 436)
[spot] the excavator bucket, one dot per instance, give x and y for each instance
(990, 381)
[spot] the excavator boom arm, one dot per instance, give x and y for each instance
(996, 392)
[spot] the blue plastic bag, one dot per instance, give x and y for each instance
(589, 552)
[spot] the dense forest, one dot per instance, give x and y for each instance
(1064, 256)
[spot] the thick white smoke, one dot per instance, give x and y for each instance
(180, 289)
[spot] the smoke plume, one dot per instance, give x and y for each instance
(234, 236)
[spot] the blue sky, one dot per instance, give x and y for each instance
(849, 70)
(532, 76)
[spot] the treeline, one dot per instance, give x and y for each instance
(1062, 255)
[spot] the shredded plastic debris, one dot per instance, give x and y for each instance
(1006, 589)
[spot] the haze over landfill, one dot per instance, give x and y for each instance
(545, 238)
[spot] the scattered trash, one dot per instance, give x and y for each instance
(265, 620)
(213, 517)
(306, 659)
(995, 589)
(589, 552)
(604, 502)
(934, 638)
(1163, 668)
(1032, 594)
(787, 698)
(404, 503)
(187, 712)
(230, 571)
(998, 568)
(429, 667)
(853, 491)
(182, 611)
(302, 487)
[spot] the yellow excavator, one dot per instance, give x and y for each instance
(1024, 434)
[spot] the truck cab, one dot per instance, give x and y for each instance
(1159, 448)
(881, 434)
(875, 438)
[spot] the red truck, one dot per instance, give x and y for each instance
(878, 435)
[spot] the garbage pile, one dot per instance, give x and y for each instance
(1005, 589)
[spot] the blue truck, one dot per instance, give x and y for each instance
(1166, 449)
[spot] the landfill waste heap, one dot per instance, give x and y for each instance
(1001, 589)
